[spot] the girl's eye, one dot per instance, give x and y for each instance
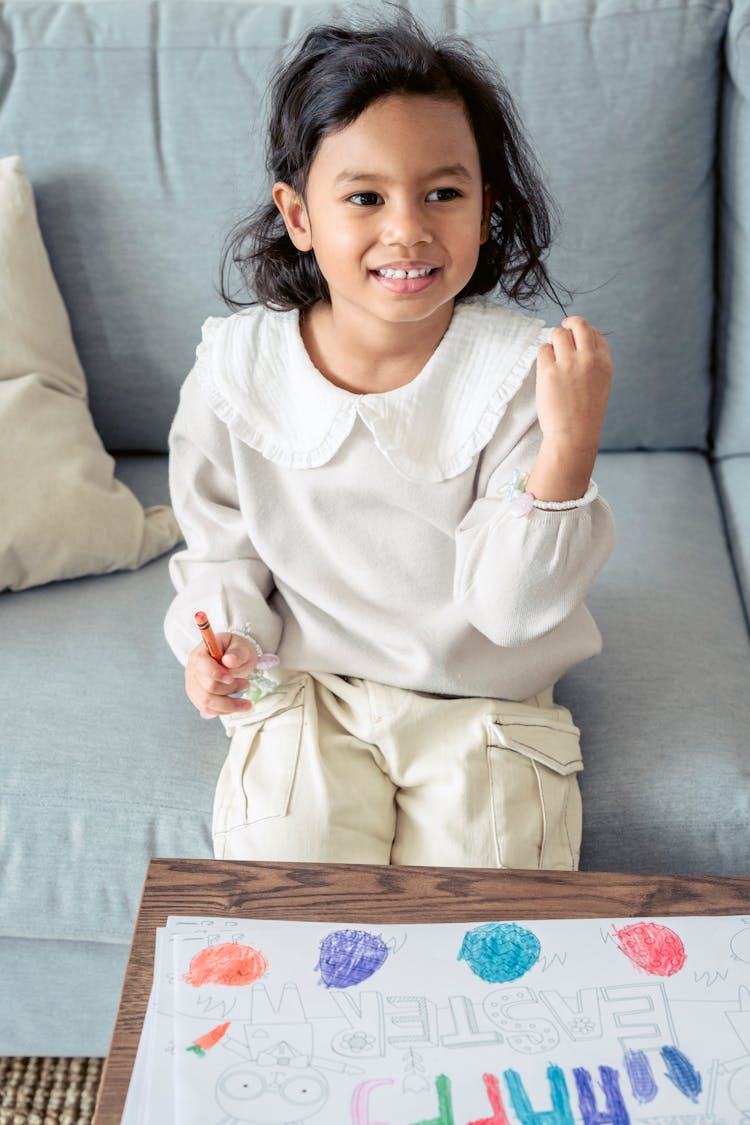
(365, 198)
(443, 194)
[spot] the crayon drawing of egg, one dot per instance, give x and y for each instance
(229, 963)
(348, 957)
(654, 948)
(500, 951)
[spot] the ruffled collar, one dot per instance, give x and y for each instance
(259, 379)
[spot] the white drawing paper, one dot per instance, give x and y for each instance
(599, 1021)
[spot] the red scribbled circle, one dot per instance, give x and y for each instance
(229, 963)
(654, 948)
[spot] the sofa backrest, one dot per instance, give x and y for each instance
(140, 125)
(733, 307)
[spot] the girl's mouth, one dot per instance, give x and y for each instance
(406, 281)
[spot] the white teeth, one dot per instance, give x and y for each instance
(403, 274)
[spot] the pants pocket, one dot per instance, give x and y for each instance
(533, 763)
(257, 777)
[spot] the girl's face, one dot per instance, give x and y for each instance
(393, 211)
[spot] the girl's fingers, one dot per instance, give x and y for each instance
(240, 654)
(584, 336)
(562, 341)
(213, 676)
(226, 687)
(218, 705)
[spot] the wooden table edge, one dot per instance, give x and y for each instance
(453, 898)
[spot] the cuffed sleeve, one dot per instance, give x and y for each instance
(218, 571)
(518, 577)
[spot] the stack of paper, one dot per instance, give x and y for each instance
(255, 1022)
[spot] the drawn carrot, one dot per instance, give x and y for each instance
(207, 1041)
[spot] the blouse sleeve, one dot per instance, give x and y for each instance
(518, 577)
(218, 571)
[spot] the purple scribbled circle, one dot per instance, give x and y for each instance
(348, 957)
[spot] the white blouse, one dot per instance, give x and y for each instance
(372, 534)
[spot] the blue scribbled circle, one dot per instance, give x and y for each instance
(348, 957)
(499, 952)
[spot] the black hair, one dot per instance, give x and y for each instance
(334, 75)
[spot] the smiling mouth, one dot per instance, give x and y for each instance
(403, 275)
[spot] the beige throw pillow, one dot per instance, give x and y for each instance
(62, 513)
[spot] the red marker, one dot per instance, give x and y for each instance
(207, 634)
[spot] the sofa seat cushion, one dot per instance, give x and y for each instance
(665, 710)
(107, 763)
(39, 1017)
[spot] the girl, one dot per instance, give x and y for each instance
(385, 477)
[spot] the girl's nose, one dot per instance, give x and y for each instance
(405, 224)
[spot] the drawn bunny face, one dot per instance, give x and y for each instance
(278, 1092)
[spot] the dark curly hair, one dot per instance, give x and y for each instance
(333, 76)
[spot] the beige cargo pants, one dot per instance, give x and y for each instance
(342, 770)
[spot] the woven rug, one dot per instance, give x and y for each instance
(48, 1091)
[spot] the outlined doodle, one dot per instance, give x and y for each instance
(531, 1033)
(710, 979)
(205, 924)
(645, 1026)
(421, 1020)
(638, 1016)
(739, 943)
(656, 949)
(548, 962)
(500, 952)
(578, 1016)
(279, 1085)
(348, 957)
(738, 1089)
(364, 1035)
(740, 1018)
(465, 1031)
(214, 1007)
(686, 1119)
(415, 1077)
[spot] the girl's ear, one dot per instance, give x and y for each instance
(487, 204)
(294, 213)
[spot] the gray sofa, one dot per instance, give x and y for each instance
(138, 124)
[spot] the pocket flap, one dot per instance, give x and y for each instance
(554, 744)
(285, 696)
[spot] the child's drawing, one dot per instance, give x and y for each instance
(348, 957)
(500, 951)
(653, 948)
(576, 1022)
(279, 1087)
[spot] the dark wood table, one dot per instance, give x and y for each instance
(372, 894)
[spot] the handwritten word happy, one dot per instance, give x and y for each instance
(679, 1070)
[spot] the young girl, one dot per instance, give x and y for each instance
(385, 478)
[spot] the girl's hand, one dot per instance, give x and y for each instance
(209, 684)
(574, 376)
